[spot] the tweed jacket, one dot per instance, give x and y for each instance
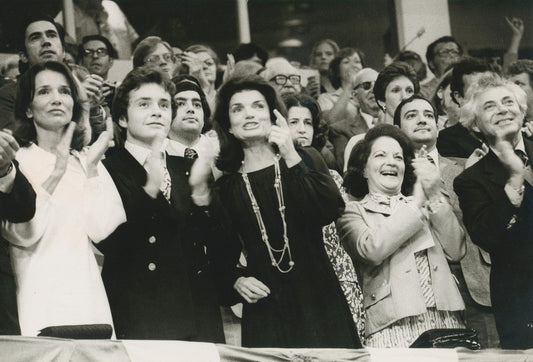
(382, 243)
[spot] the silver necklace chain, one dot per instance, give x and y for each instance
(278, 187)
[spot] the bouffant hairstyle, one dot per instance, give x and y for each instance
(335, 65)
(390, 73)
(26, 132)
(231, 152)
(354, 180)
(320, 129)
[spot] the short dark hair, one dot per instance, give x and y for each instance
(415, 61)
(319, 128)
(354, 180)
(246, 51)
(522, 66)
(146, 47)
(185, 82)
(231, 153)
(334, 67)
(466, 66)
(398, 112)
(32, 18)
(430, 51)
(390, 73)
(26, 132)
(444, 81)
(110, 49)
(133, 80)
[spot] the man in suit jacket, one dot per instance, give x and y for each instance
(17, 204)
(154, 281)
(496, 197)
(417, 117)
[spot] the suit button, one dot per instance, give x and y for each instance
(373, 296)
(151, 266)
(435, 267)
(151, 239)
(187, 173)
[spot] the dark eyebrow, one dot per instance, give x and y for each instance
(184, 99)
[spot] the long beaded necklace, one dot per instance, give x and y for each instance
(278, 187)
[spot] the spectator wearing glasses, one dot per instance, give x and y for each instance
(156, 52)
(339, 105)
(283, 76)
(440, 55)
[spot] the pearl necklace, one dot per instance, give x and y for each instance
(278, 187)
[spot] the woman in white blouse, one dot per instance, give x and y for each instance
(57, 275)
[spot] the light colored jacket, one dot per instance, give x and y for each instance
(382, 243)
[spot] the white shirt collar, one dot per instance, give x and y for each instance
(176, 148)
(368, 119)
(435, 156)
(140, 153)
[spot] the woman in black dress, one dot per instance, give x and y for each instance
(277, 200)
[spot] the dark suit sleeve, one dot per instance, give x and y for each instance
(487, 212)
(7, 106)
(19, 204)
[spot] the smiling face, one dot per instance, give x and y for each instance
(190, 114)
(42, 42)
(51, 107)
(418, 122)
(364, 92)
(300, 123)
(385, 167)
(249, 116)
(149, 114)
(497, 112)
(399, 89)
(349, 66)
(324, 54)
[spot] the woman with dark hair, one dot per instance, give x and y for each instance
(395, 83)
(322, 54)
(277, 199)
(400, 232)
(57, 274)
(304, 125)
(339, 104)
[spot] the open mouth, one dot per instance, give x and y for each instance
(250, 125)
(389, 173)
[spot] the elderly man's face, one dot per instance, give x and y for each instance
(42, 42)
(364, 93)
(498, 113)
(286, 81)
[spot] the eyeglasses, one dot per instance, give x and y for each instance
(155, 58)
(100, 52)
(365, 85)
(281, 79)
(448, 52)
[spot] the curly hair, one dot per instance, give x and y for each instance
(390, 73)
(231, 152)
(26, 133)
(355, 182)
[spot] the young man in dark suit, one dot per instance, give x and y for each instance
(17, 204)
(496, 196)
(148, 273)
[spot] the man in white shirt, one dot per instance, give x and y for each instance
(417, 117)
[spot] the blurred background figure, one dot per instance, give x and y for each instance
(521, 74)
(9, 70)
(322, 53)
(440, 55)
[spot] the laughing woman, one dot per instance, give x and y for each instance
(57, 275)
(401, 242)
(277, 200)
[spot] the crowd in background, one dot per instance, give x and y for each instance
(343, 206)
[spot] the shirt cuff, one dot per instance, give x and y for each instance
(6, 182)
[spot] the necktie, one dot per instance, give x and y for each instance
(523, 157)
(190, 153)
(166, 184)
(430, 159)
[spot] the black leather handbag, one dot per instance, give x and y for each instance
(448, 338)
(81, 331)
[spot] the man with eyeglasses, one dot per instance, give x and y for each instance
(441, 55)
(283, 76)
(97, 55)
(156, 52)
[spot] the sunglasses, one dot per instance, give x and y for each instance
(365, 85)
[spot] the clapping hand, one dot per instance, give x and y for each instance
(8, 149)
(97, 150)
(427, 174)
(62, 152)
(280, 136)
(154, 167)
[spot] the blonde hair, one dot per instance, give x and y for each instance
(468, 111)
